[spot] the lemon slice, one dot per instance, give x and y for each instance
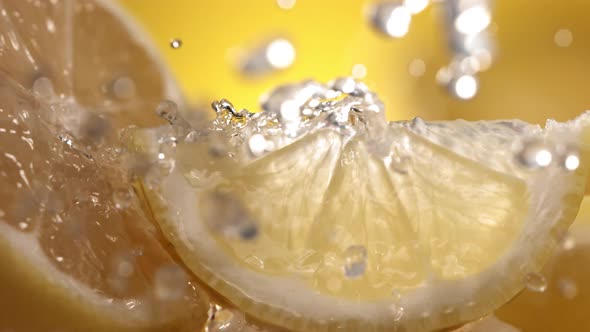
(318, 215)
(77, 252)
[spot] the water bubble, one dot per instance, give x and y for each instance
(122, 198)
(59, 259)
(535, 282)
(95, 127)
(391, 18)
(43, 87)
(170, 283)
(124, 88)
(535, 154)
(176, 43)
(568, 288)
(355, 261)
(23, 225)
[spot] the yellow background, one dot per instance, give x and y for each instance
(533, 79)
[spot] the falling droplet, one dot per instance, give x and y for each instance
(124, 88)
(176, 43)
(571, 161)
(286, 4)
(535, 282)
(568, 288)
(344, 85)
(355, 261)
(270, 56)
(170, 283)
(122, 198)
(391, 18)
(535, 154)
(464, 87)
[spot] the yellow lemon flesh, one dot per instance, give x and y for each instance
(318, 215)
(77, 252)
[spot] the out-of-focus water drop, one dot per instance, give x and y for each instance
(267, 57)
(417, 67)
(568, 288)
(465, 87)
(43, 87)
(535, 282)
(170, 283)
(563, 38)
(416, 6)
(355, 261)
(391, 18)
(534, 154)
(122, 198)
(176, 43)
(167, 110)
(286, 4)
(257, 145)
(473, 20)
(359, 71)
(124, 88)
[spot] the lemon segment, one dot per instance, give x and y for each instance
(323, 228)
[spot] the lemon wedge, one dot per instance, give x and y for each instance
(319, 215)
(77, 252)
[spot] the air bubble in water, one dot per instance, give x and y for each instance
(124, 88)
(170, 283)
(568, 288)
(43, 87)
(535, 282)
(176, 43)
(355, 261)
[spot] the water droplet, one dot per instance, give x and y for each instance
(59, 259)
(563, 38)
(176, 43)
(286, 4)
(464, 87)
(23, 225)
(167, 110)
(359, 71)
(280, 53)
(344, 85)
(355, 261)
(535, 154)
(535, 282)
(416, 6)
(257, 145)
(568, 242)
(267, 57)
(124, 88)
(170, 283)
(473, 20)
(43, 87)
(568, 288)
(391, 18)
(122, 198)
(571, 161)
(417, 67)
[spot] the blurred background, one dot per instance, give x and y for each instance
(526, 59)
(540, 52)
